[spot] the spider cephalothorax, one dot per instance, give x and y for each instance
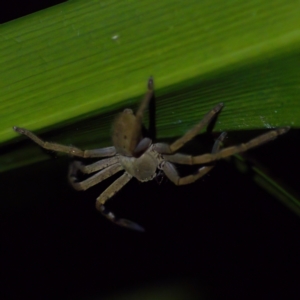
(138, 157)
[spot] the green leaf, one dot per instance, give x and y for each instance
(85, 59)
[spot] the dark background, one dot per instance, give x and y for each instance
(224, 235)
(14, 9)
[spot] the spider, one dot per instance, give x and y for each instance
(138, 157)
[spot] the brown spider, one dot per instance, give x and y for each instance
(139, 158)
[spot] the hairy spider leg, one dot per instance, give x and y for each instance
(93, 180)
(102, 152)
(96, 166)
(107, 167)
(145, 102)
(170, 170)
(107, 194)
(145, 142)
(189, 135)
(207, 158)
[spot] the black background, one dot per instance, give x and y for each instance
(223, 233)
(14, 9)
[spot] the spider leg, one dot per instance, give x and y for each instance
(102, 152)
(145, 102)
(93, 180)
(206, 158)
(97, 166)
(170, 170)
(107, 194)
(165, 148)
